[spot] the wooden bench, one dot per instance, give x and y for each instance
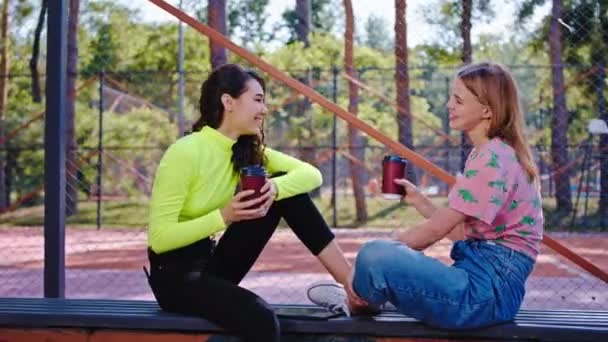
(43, 319)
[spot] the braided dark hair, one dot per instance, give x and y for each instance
(230, 79)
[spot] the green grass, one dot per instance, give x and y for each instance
(127, 213)
(556, 220)
(381, 214)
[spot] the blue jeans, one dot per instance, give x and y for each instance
(484, 286)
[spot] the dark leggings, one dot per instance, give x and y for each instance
(202, 279)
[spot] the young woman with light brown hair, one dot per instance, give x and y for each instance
(494, 214)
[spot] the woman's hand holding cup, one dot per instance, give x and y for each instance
(269, 193)
(245, 205)
(412, 194)
(242, 207)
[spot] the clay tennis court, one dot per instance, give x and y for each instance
(108, 264)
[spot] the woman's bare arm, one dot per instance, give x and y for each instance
(441, 223)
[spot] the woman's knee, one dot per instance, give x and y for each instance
(382, 259)
(377, 253)
(370, 271)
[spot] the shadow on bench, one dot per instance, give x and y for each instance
(42, 319)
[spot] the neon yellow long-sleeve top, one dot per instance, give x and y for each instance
(195, 179)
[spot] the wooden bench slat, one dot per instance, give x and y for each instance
(556, 325)
(101, 303)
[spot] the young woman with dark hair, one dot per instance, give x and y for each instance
(195, 196)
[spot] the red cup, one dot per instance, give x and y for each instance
(393, 167)
(253, 178)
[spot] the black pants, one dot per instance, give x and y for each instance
(202, 279)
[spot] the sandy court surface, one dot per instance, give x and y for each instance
(126, 249)
(107, 264)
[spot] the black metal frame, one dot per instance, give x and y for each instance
(55, 150)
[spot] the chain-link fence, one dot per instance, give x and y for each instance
(125, 121)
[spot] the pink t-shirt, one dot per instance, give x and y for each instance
(502, 205)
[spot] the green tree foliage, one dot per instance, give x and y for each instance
(323, 18)
(446, 17)
(584, 37)
(248, 23)
(377, 34)
(104, 52)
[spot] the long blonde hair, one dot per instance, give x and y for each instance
(494, 86)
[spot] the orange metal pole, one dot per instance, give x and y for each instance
(393, 104)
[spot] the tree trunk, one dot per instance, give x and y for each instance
(4, 60)
(217, 20)
(303, 26)
(402, 80)
(602, 209)
(354, 139)
(12, 155)
(71, 193)
(467, 58)
(304, 14)
(465, 31)
(559, 122)
(36, 92)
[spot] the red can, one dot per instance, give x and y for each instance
(393, 167)
(253, 177)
